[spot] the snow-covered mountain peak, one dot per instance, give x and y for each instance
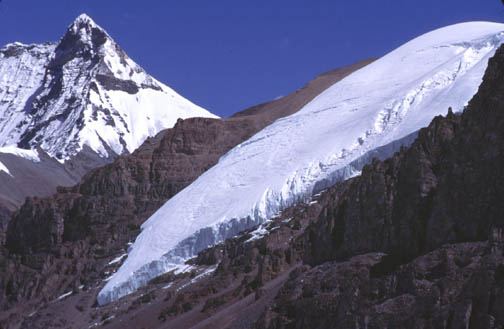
(370, 113)
(86, 42)
(83, 20)
(82, 91)
(84, 32)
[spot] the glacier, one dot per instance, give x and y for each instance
(82, 91)
(370, 113)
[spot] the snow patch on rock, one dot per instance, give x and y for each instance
(5, 169)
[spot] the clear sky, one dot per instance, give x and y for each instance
(227, 55)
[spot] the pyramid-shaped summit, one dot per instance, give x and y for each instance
(83, 92)
(83, 20)
(84, 32)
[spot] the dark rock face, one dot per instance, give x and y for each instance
(452, 287)
(30, 178)
(72, 235)
(111, 83)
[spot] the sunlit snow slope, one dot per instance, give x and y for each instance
(318, 146)
(82, 91)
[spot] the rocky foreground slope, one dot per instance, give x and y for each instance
(65, 241)
(416, 241)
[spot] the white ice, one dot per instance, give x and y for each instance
(117, 259)
(65, 295)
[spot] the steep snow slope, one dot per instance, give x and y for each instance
(82, 91)
(316, 147)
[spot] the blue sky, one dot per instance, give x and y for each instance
(230, 55)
